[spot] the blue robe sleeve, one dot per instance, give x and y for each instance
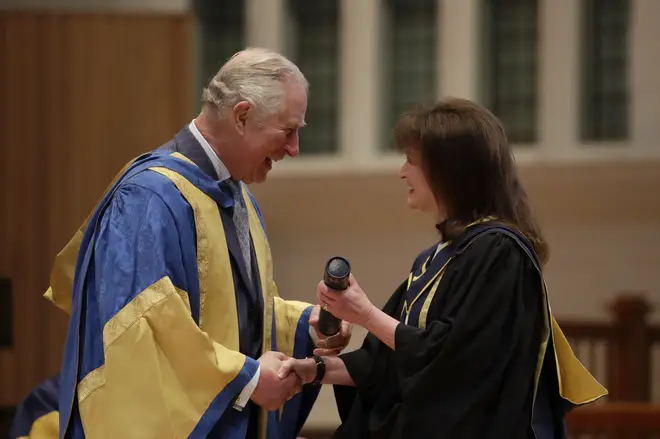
(290, 335)
(291, 329)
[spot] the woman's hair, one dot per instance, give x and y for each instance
(469, 166)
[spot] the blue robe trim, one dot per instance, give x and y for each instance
(297, 410)
(299, 407)
(237, 426)
(421, 279)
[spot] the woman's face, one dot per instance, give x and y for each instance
(420, 196)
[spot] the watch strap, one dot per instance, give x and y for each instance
(320, 369)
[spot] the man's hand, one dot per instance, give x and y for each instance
(272, 392)
(333, 345)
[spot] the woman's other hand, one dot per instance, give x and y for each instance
(351, 305)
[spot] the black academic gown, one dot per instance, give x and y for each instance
(467, 373)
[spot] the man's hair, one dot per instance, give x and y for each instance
(255, 75)
(470, 167)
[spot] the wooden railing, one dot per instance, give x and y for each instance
(619, 353)
(615, 420)
(622, 347)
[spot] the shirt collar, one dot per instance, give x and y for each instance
(220, 168)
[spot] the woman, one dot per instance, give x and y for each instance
(466, 346)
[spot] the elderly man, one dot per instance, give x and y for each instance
(176, 326)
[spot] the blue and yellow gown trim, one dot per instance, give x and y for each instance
(576, 386)
(141, 352)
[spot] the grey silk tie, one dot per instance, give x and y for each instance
(242, 223)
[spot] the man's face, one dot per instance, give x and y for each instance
(275, 136)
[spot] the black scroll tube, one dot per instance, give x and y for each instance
(336, 277)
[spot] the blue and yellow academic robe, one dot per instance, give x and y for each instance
(154, 348)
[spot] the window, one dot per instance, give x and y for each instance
(410, 50)
(314, 47)
(605, 70)
(510, 65)
(221, 29)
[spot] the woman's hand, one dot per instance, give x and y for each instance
(335, 371)
(351, 305)
(305, 369)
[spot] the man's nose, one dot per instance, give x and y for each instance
(293, 147)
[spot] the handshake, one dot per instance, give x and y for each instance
(281, 378)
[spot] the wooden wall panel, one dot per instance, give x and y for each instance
(80, 94)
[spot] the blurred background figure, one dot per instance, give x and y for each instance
(85, 85)
(37, 415)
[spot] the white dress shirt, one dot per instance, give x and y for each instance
(220, 168)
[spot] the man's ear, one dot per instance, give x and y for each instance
(240, 114)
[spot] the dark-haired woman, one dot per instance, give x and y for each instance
(466, 347)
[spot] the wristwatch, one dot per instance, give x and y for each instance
(320, 370)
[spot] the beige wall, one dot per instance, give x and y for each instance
(603, 224)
